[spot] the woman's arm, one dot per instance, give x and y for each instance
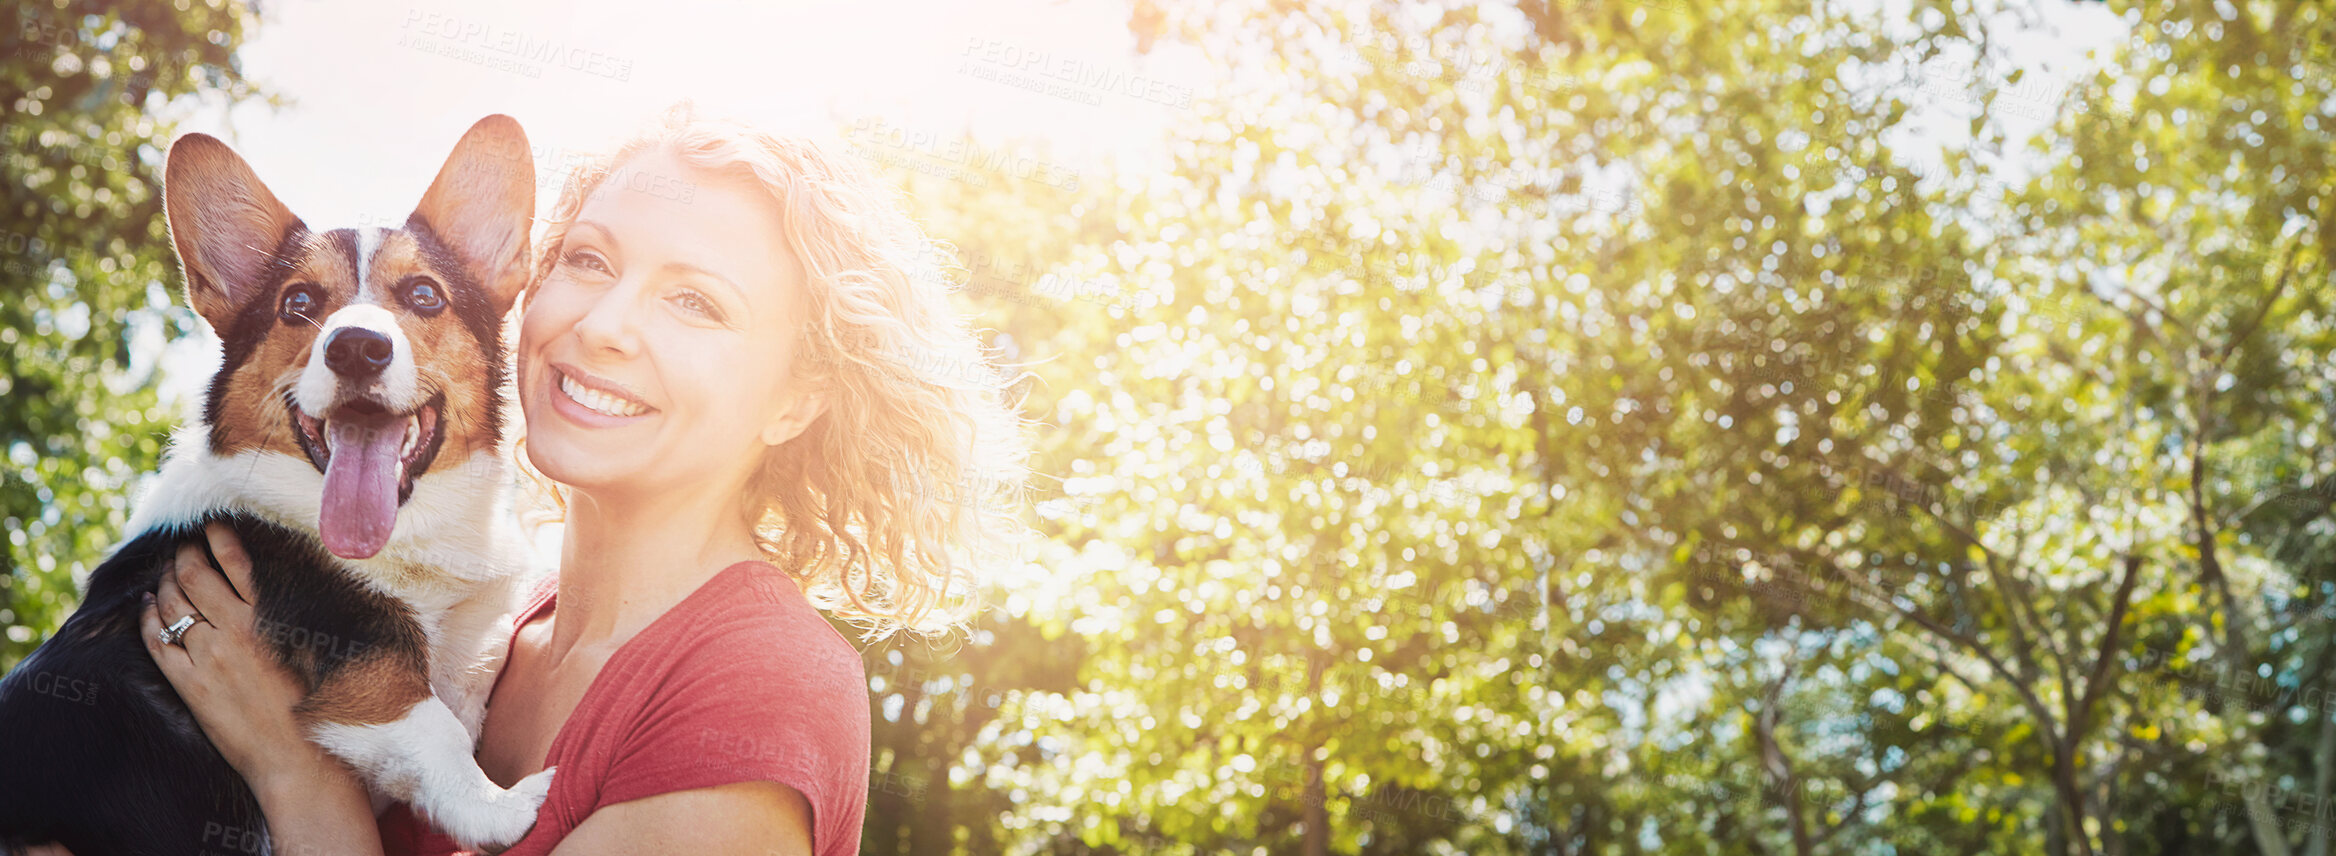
(319, 811)
(746, 817)
(243, 699)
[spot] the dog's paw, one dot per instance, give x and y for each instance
(506, 816)
(532, 790)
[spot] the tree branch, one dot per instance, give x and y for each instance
(2105, 654)
(2240, 337)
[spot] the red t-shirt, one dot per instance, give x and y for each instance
(741, 681)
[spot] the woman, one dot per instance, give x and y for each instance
(709, 363)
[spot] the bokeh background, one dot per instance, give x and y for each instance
(1561, 426)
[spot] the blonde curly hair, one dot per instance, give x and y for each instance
(912, 478)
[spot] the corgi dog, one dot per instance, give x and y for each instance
(353, 438)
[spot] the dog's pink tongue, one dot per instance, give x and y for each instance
(360, 486)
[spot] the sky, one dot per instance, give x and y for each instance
(379, 92)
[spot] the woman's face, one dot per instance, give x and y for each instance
(655, 358)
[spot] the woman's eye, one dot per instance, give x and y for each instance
(698, 303)
(423, 295)
(587, 260)
(299, 303)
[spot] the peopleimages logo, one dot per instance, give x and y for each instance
(952, 157)
(506, 48)
(1063, 77)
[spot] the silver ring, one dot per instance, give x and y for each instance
(170, 635)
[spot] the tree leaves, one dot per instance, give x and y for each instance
(89, 277)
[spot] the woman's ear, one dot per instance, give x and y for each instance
(795, 416)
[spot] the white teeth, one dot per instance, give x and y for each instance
(599, 402)
(413, 433)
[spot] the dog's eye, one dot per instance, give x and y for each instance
(299, 303)
(422, 294)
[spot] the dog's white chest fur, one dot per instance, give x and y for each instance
(457, 559)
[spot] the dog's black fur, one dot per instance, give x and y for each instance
(98, 753)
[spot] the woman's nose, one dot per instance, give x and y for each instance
(610, 324)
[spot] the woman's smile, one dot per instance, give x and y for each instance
(593, 401)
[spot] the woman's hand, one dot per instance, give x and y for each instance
(238, 691)
(243, 698)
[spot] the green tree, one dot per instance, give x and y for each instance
(1309, 444)
(1602, 434)
(88, 274)
(2197, 184)
(1007, 209)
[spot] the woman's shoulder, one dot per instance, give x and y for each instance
(753, 623)
(747, 674)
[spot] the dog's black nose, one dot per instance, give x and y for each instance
(356, 352)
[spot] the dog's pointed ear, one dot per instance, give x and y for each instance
(225, 224)
(482, 206)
